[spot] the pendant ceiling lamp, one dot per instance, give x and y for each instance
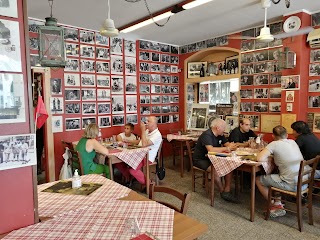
(108, 29)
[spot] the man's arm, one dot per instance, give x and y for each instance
(144, 140)
(263, 155)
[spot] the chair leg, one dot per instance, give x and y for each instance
(299, 213)
(206, 183)
(268, 204)
(193, 181)
(236, 183)
(310, 210)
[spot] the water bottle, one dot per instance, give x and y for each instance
(76, 180)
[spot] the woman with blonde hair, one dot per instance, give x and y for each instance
(87, 147)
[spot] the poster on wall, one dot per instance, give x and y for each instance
(57, 125)
(9, 8)
(17, 151)
(10, 52)
(310, 119)
(290, 82)
(198, 116)
(316, 123)
(12, 105)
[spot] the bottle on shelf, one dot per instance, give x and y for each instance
(76, 180)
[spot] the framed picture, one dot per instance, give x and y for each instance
(314, 69)
(88, 120)
(289, 96)
(232, 64)
(254, 120)
(316, 123)
(198, 116)
(130, 48)
(71, 80)
(232, 122)
(104, 108)
(274, 106)
(9, 8)
(57, 125)
(132, 118)
(87, 65)
(204, 93)
(118, 120)
(104, 121)
(89, 108)
(56, 105)
(290, 82)
(314, 85)
(72, 108)
(73, 124)
(314, 102)
(315, 55)
(194, 69)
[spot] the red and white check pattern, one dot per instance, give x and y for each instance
(132, 157)
(103, 221)
(171, 137)
(224, 165)
(56, 204)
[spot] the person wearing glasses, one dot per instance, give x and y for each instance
(242, 134)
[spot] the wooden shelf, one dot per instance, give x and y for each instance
(212, 78)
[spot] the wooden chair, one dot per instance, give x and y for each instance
(74, 156)
(175, 145)
(194, 170)
(183, 197)
(80, 163)
(306, 176)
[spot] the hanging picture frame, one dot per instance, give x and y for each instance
(9, 8)
(198, 116)
(194, 69)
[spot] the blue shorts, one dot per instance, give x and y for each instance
(269, 181)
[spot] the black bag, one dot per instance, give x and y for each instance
(160, 171)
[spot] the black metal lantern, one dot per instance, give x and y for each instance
(51, 43)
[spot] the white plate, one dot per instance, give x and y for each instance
(292, 24)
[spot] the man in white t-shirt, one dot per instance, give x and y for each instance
(127, 136)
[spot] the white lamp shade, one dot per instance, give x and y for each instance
(108, 29)
(265, 35)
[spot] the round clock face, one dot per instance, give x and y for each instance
(292, 24)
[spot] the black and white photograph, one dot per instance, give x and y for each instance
(165, 58)
(129, 48)
(198, 116)
(17, 151)
(87, 120)
(144, 99)
(247, 57)
(102, 53)
(104, 121)
(166, 89)
(275, 93)
(102, 67)
(104, 108)
(275, 43)
(103, 81)
(87, 65)
(155, 99)
(155, 46)
(315, 55)
(102, 40)
(9, 8)
(232, 65)
(144, 67)
(246, 107)
(276, 28)
(72, 94)
(174, 89)
(254, 120)
(72, 65)
(71, 80)
(155, 78)
(71, 34)
(72, 124)
(145, 110)
(33, 25)
(272, 66)
(88, 94)
(144, 89)
(260, 106)
(155, 88)
(174, 108)
(87, 51)
(222, 41)
(156, 109)
(246, 80)
(314, 69)
(144, 56)
(131, 66)
(274, 54)
(174, 69)
(247, 45)
(164, 47)
(166, 79)
(103, 95)
(72, 49)
(88, 80)
(290, 82)
(57, 124)
(131, 103)
(116, 45)
(116, 64)
(117, 104)
(86, 37)
(261, 92)
(10, 51)
(260, 45)
(117, 85)
(315, 19)
(132, 118)
(89, 108)
(155, 67)
(72, 108)
(314, 85)
(165, 99)
(261, 56)
(260, 67)
(246, 94)
(247, 69)
(56, 86)
(191, 47)
(165, 119)
(275, 78)
(131, 85)
(165, 68)
(144, 44)
(144, 78)
(174, 60)
(174, 99)
(155, 57)
(56, 105)
(34, 60)
(174, 49)
(314, 102)
(209, 42)
(118, 120)
(274, 106)
(175, 79)
(34, 43)
(175, 118)
(261, 79)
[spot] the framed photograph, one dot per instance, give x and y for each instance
(246, 80)
(34, 43)
(131, 103)
(102, 40)
(155, 88)
(246, 107)
(72, 94)
(132, 118)
(166, 89)
(145, 78)
(289, 96)
(314, 69)
(87, 66)
(104, 108)
(194, 69)
(131, 85)
(290, 107)
(116, 46)
(261, 92)
(144, 99)
(130, 66)
(73, 108)
(103, 95)
(261, 56)
(56, 105)
(174, 69)
(71, 34)
(274, 54)
(104, 121)
(117, 104)
(247, 57)
(315, 55)
(165, 58)
(275, 78)
(9, 8)
(155, 78)
(204, 93)
(260, 67)
(275, 93)
(290, 82)
(174, 60)
(155, 99)
(144, 56)
(232, 64)
(117, 85)
(86, 37)
(72, 65)
(88, 94)
(174, 89)
(260, 106)
(118, 120)
(102, 67)
(247, 45)
(87, 51)
(144, 89)
(130, 48)
(165, 79)
(71, 80)
(274, 106)
(174, 108)
(254, 120)
(164, 48)
(57, 124)
(261, 79)
(316, 123)
(87, 120)
(234, 100)
(165, 68)
(18, 151)
(103, 81)
(232, 123)
(145, 44)
(116, 64)
(33, 24)
(246, 94)
(145, 110)
(89, 108)
(88, 80)
(72, 49)
(224, 109)
(156, 109)
(102, 53)
(144, 67)
(246, 69)
(155, 57)
(175, 79)
(314, 102)
(198, 116)
(155, 67)
(165, 99)
(73, 124)
(314, 85)
(55, 86)
(34, 60)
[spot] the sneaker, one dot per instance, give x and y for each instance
(227, 196)
(277, 211)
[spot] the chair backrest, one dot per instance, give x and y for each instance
(190, 147)
(80, 163)
(75, 158)
(183, 197)
(306, 173)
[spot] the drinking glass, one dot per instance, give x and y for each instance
(132, 227)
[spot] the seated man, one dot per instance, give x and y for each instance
(242, 133)
(287, 158)
(213, 140)
(151, 137)
(127, 136)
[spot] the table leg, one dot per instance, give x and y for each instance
(253, 192)
(212, 185)
(181, 158)
(110, 167)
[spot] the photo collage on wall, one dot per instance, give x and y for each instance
(213, 42)
(158, 81)
(260, 74)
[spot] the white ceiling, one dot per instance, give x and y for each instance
(210, 20)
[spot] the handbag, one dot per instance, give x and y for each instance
(160, 171)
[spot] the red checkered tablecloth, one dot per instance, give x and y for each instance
(224, 165)
(171, 137)
(105, 220)
(55, 204)
(132, 157)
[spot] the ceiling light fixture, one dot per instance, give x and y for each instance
(287, 2)
(108, 29)
(165, 13)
